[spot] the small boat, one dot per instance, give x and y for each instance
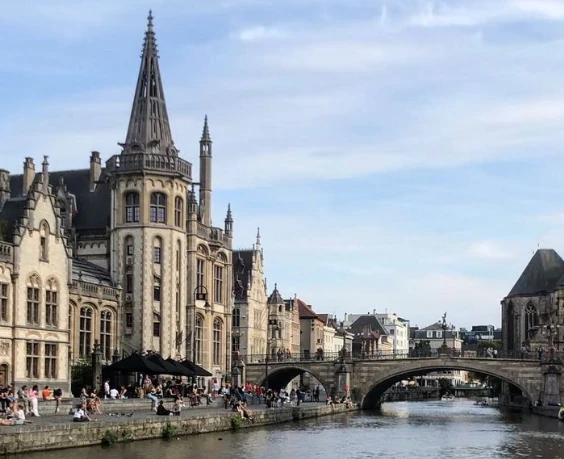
(447, 398)
(481, 403)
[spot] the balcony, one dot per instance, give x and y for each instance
(6, 252)
(87, 289)
(148, 162)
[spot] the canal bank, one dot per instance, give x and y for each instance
(62, 435)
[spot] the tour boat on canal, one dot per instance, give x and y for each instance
(447, 398)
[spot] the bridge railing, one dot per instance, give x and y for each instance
(386, 355)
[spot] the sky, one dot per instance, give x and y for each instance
(403, 156)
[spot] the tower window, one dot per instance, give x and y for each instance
(158, 208)
(132, 207)
(178, 211)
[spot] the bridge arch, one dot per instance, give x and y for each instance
(374, 388)
(280, 376)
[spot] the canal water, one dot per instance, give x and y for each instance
(409, 430)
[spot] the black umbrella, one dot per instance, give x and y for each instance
(183, 370)
(168, 367)
(196, 369)
(136, 363)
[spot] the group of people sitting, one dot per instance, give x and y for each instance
(174, 409)
(14, 415)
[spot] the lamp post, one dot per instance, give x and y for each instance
(200, 294)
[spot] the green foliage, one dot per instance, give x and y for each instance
(81, 376)
(109, 438)
(424, 345)
(237, 422)
(169, 430)
(445, 386)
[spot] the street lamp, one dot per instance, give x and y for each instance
(200, 294)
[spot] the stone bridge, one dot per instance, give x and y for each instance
(366, 380)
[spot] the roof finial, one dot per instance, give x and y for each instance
(150, 20)
(206, 131)
(258, 237)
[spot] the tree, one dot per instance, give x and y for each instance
(445, 386)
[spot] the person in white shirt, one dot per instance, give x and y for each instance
(107, 388)
(114, 394)
(80, 414)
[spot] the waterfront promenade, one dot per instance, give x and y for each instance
(58, 431)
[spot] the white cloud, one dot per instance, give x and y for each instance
(489, 250)
(258, 33)
(546, 9)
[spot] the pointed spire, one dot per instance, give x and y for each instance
(229, 217)
(206, 131)
(229, 221)
(258, 238)
(45, 174)
(149, 127)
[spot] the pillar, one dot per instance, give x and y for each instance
(96, 367)
(343, 381)
(551, 372)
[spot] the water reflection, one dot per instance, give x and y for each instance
(404, 430)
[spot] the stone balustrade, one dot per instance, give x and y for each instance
(94, 291)
(6, 252)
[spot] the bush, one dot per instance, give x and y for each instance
(169, 430)
(109, 438)
(237, 422)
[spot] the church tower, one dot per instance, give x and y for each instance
(150, 187)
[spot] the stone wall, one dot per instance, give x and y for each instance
(70, 435)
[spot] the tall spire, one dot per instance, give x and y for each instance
(206, 131)
(258, 238)
(149, 128)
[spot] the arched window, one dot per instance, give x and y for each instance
(85, 332)
(33, 285)
(156, 288)
(217, 325)
(132, 207)
(106, 334)
(236, 344)
(158, 208)
(531, 318)
(236, 317)
(51, 304)
(157, 250)
(44, 241)
(178, 211)
(198, 339)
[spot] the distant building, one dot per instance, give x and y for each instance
(250, 311)
(370, 338)
(397, 329)
(312, 331)
(436, 336)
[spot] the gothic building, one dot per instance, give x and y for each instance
(250, 312)
(133, 257)
(532, 310)
(283, 325)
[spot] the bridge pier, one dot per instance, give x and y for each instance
(551, 372)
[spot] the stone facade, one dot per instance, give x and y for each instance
(250, 311)
(312, 330)
(152, 272)
(281, 325)
(531, 312)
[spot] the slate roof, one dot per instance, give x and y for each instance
(93, 206)
(89, 272)
(275, 297)
(242, 267)
(544, 273)
(369, 322)
(11, 212)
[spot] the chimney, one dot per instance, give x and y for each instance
(28, 175)
(4, 186)
(95, 169)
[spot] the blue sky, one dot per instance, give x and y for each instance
(397, 155)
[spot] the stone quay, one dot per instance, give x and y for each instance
(59, 432)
